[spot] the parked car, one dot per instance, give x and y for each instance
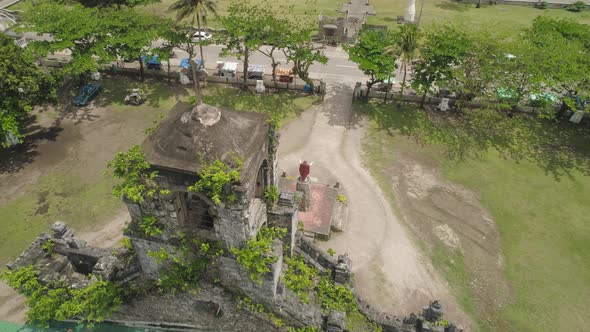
(152, 63)
(87, 93)
(204, 36)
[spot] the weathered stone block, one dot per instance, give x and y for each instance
(106, 267)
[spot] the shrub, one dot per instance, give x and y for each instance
(216, 179)
(56, 301)
(149, 225)
(341, 198)
(577, 6)
(271, 193)
(335, 297)
(188, 263)
(47, 247)
(299, 277)
(256, 256)
(331, 252)
(126, 243)
(138, 181)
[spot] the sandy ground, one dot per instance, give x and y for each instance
(390, 272)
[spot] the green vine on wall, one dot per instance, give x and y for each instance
(57, 301)
(188, 263)
(217, 178)
(149, 225)
(256, 256)
(299, 277)
(271, 193)
(138, 181)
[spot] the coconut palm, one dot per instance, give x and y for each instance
(405, 47)
(199, 8)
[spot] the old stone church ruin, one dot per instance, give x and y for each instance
(180, 146)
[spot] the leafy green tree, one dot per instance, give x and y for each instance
(130, 34)
(442, 47)
(200, 9)
(244, 32)
(301, 51)
(74, 28)
(216, 179)
(22, 86)
(369, 52)
(406, 47)
(561, 58)
(256, 256)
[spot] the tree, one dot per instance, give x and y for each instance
(562, 50)
(75, 28)
(22, 86)
(405, 46)
(369, 53)
(200, 10)
(442, 47)
(278, 28)
(244, 31)
(131, 34)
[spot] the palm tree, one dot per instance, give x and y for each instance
(198, 8)
(405, 47)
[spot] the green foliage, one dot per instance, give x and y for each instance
(276, 321)
(245, 302)
(341, 198)
(138, 181)
(577, 6)
(271, 193)
(405, 46)
(187, 263)
(331, 252)
(22, 86)
(335, 297)
(300, 226)
(256, 255)
(126, 243)
(48, 247)
(299, 277)
(149, 225)
(95, 36)
(303, 329)
(56, 301)
(369, 52)
(442, 47)
(217, 178)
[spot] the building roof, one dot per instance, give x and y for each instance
(190, 136)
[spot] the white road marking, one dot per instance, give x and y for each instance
(345, 66)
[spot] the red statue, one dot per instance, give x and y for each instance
(304, 169)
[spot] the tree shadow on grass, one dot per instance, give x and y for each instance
(14, 159)
(336, 107)
(277, 105)
(454, 6)
(557, 147)
(116, 87)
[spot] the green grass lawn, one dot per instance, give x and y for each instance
(533, 179)
(501, 18)
(286, 106)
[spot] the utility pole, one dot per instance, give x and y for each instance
(420, 16)
(196, 80)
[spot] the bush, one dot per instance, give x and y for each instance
(216, 179)
(577, 6)
(56, 301)
(138, 181)
(335, 297)
(256, 256)
(149, 225)
(299, 277)
(188, 263)
(271, 193)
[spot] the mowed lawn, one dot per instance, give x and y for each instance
(302, 9)
(501, 18)
(538, 198)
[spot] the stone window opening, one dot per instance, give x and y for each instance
(261, 179)
(193, 211)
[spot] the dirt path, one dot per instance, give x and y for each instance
(12, 305)
(390, 271)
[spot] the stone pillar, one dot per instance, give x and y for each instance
(343, 270)
(305, 188)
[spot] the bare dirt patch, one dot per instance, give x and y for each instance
(448, 217)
